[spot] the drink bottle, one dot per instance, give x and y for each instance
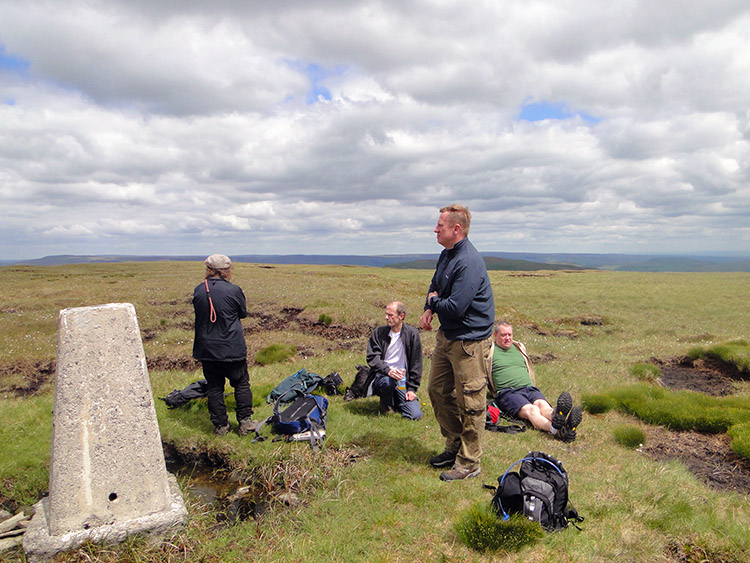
(402, 382)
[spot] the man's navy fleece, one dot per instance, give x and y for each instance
(465, 304)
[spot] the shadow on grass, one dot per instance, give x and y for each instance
(389, 448)
(363, 407)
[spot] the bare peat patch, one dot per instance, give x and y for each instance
(342, 337)
(708, 456)
(710, 376)
(25, 379)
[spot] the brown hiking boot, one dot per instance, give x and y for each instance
(222, 430)
(247, 426)
(459, 473)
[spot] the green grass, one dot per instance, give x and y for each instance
(644, 372)
(370, 495)
(629, 436)
(680, 410)
(275, 353)
(325, 319)
(481, 529)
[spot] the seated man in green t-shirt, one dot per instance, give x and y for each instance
(513, 382)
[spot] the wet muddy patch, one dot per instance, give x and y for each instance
(176, 363)
(207, 478)
(568, 327)
(542, 358)
(26, 379)
(234, 493)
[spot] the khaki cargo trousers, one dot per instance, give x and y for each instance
(459, 373)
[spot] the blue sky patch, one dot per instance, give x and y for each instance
(317, 75)
(11, 62)
(545, 110)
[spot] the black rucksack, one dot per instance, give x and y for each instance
(494, 418)
(331, 383)
(539, 491)
(179, 397)
(361, 384)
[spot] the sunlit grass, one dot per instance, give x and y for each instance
(387, 503)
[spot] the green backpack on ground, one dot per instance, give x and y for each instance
(296, 385)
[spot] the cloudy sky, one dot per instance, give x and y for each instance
(340, 127)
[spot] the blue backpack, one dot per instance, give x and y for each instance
(303, 420)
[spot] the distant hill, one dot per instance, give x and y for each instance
(511, 261)
(322, 259)
(493, 263)
(679, 264)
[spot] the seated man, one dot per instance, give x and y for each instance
(513, 381)
(394, 354)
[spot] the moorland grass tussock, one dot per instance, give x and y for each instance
(740, 434)
(629, 436)
(644, 372)
(598, 403)
(680, 410)
(677, 410)
(275, 353)
(481, 529)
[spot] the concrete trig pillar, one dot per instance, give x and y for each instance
(108, 477)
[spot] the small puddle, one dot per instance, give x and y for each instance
(209, 482)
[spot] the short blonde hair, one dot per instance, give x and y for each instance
(458, 214)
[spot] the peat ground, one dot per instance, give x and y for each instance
(28, 378)
(707, 456)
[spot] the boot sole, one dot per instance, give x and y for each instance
(564, 404)
(443, 463)
(444, 476)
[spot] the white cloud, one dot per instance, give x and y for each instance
(183, 127)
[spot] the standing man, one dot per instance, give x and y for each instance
(220, 344)
(394, 354)
(460, 295)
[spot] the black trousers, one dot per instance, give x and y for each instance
(236, 372)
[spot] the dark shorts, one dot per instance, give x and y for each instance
(512, 400)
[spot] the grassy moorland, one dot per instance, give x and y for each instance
(370, 495)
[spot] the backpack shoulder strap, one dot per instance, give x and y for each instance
(258, 437)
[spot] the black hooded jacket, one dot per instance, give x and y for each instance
(223, 340)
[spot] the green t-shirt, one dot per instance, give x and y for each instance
(509, 369)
